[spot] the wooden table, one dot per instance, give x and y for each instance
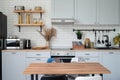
(65, 68)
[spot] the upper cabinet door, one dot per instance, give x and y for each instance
(109, 11)
(62, 8)
(86, 12)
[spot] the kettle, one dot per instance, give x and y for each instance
(27, 44)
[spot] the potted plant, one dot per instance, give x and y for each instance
(116, 40)
(79, 34)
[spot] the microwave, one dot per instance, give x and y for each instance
(14, 43)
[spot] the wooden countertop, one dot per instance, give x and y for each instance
(28, 50)
(66, 68)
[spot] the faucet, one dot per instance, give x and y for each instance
(107, 41)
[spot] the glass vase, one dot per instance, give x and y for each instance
(48, 44)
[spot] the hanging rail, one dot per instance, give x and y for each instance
(94, 30)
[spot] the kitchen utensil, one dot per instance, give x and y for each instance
(98, 41)
(103, 37)
(107, 32)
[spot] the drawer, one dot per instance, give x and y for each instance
(36, 60)
(79, 54)
(93, 59)
(38, 54)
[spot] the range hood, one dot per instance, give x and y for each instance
(63, 20)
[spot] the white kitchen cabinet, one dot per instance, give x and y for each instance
(37, 57)
(92, 12)
(88, 56)
(88, 12)
(111, 60)
(85, 11)
(109, 11)
(13, 65)
(62, 8)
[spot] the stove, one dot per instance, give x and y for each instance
(63, 55)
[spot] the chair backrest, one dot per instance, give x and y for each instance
(74, 59)
(78, 59)
(89, 78)
(54, 77)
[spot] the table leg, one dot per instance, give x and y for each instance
(32, 77)
(101, 76)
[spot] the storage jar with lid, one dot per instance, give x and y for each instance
(27, 18)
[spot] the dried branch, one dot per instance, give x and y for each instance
(48, 33)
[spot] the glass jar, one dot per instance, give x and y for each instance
(20, 19)
(40, 21)
(34, 20)
(27, 18)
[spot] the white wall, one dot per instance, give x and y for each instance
(7, 7)
(65, 35)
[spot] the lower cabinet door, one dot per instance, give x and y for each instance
(13, 65)
(111, 61)
(35, 60)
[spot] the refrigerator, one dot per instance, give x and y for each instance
(3, 36)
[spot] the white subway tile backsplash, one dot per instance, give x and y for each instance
(65, 34)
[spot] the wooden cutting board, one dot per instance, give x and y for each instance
(39, 47)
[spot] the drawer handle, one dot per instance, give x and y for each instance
(38, 59)
(38, 54)
(111, 52)
(13, 52)
(87, 54)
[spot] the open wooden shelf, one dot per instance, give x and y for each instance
(28, 11)
(24, 25)
(27, 25)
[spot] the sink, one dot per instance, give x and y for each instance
(107, 48)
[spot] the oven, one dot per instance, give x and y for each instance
(62, 55)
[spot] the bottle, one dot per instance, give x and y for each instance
(87, 43)
(27, 18)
